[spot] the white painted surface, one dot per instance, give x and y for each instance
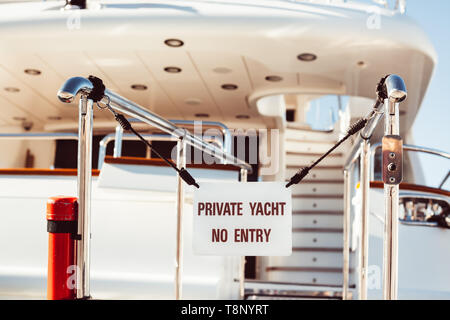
(423, 256)
(252, 39)
(133, 243)
(153, 178)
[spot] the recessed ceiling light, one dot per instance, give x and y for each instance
(12, 89)
(274, 78)
(32, 72)
(202, 115)
(175, 43)
(193, 101)
(308, 57)
(361, 64)
(54, 118)
(172, 69)
(242, 116)
(139, 87)
(229, 86)
(222, 70)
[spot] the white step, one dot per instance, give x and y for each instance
(317, 221)
(308, 146)
(309, 187)
(317, 239)
(331, 277)
(320, 173)
(258, 289)
(308, 259)
(299, 134)
(312, 204)
(294, 159)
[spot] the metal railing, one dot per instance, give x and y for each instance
(396, 92)
(361, 151)
(397, 6)
(68, 92)
(226, 134)
(39, 136)
(406, 147)
(131, 137)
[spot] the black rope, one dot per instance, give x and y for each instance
(184, 174)
(354, 128)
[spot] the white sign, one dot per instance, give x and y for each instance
(237, 219)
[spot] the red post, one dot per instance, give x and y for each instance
(62, 213)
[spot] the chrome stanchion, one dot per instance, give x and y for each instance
(84, 195)
(346, 234)
(392, 153)
(118, 142)
(365, 188)
(242, 262)
(181, 163)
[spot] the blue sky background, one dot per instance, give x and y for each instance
(432, 125)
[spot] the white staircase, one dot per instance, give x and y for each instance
(317, 204)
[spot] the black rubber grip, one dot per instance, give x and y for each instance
(62, 226)
(185, 175)
(298, 177)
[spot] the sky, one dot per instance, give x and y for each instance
(432, 125)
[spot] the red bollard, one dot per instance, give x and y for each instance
(62, 213)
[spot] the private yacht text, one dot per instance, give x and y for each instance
(240, 235)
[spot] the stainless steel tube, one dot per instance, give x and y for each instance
(365, 189)
(75, 85)
(407, 147)
(181, 163)
(396, 91)
(84, 195)
(374, 117)
(128, 136)
(227, 139)
(346, 235)
(242, 262)
(118, 142)
(128, 107)
(39, 136)
(390, 267)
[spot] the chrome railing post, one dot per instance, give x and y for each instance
(396, 91)
(361, 149)
(346, 234)
(84, 175)
(365, 189)
(242, 261)
(67, 93)
(391, 195)
(181, 163)
(118, 142)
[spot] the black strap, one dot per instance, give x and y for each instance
(62, 226)
(98, 91)
(381, 89)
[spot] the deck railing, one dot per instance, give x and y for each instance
(68, 92)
